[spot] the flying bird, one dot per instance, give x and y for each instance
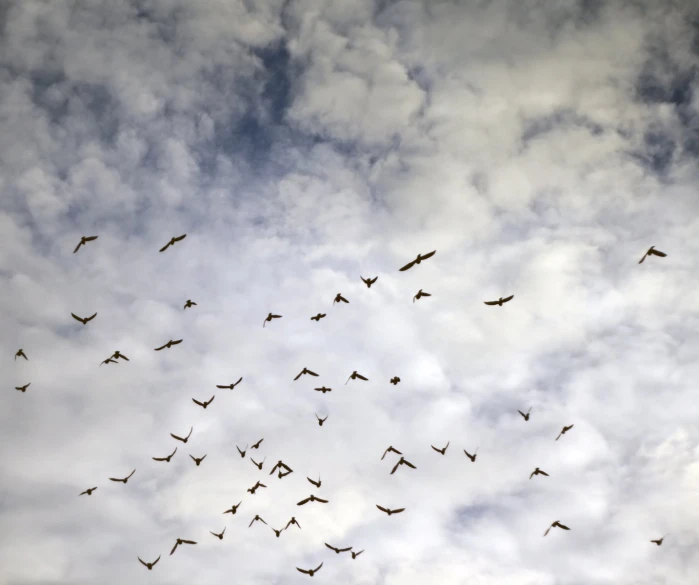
(472, 457)
(181, 541)
(165, 458)
(323, 389)
(312, 498)
(525, 416)
(149, 565)
(500, 301)
(258, 465)
(189, 304)
(652, 252)
(538, 471)
(564, 431)
(219, 536)
(292, 521)
(305, 371)
(338, 550)
(257, 517)
(340, 299)
(558, 524)
(421, 294)
(389, 511)
(395, 380)
(88, 492)
(402, 461)
(390, 449)
(198, 460)
(318, 317)
(310, 572)
(279, 465)
(443, 450)
(206, 403)
(20, 353)
(417, 260)
(172, 242)
(269, 319)
(83, 320)
(233, 509)
(322, 420)
(253, 489)
(257, 445)
(242, 453)
(315, 483)
(117, 354)
(369, 281)
(24, 388)
(278, 533)
(83, 241)
(356, 554)
(230, 386)
(660, 540)
(354, 375)
(180, 438)
(126, 479)
(169, 344)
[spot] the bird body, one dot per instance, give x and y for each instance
(315, 483)
(167, 459)
(322, 420)
(230, 386)
(189, 304)
(149, 565)
(500, 301)
(292, 521)
(472, 457)
(318, 317)
(310, 572)
(23, 388)
(369, 281)
(564, 431)
(269, 319)
(253, 489)
(323, 389)
(198, 460)
(354, 376)
(390, 449)
(233, 509)
(652, 252)
(185, 439)
(356, 554)
(83, 241)
(88, 491)
(556, 524)
(340, 299)
(205, 403)
(83, 320)
(255, 519)
(20, 353)
(395, 380)
(220, 535)
(443, 450)
(173, 241)
(305, 371)
(169, 344)
(311, 498)
(538, 471)
(525, 416)
(389, 511)
(125, 479)
(181, 541)
(421, 294)
(338, 550)
(402, 461)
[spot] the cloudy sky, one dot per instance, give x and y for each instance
(540, 147)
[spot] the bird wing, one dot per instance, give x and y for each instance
(374, 279)
(197, 402)
(345, 549)
(508, 298)
(364, 280)
(115, 479)
(83, 493)
(532, 474)
(547, 530)
(211, 399)
(182, 237)
(276, 316)
(384, 453)
(158, 458)
(76, 317)
(239, 381)
(190, 432)
(395, 468)
(130, 474)
(165, 247)
(397, 511)
(193, 459)
(144, 564)
(91, 318)
(90, 238)
(176, 342)
(219, 386)
(658, 253)
(321, 501)
(318, 567)
(176, 437)
(330, 547)
(570, 427)
(382, 509)
(162, 347)
(315, 483)
(177, 543)
(407, 266)
(302, 502)
(467, 453)
(78, 247)
(490, 302)
(642, 259)
(357, 554)
(311, 373)
(543, 473)
(426, 256)
(303, 571)
(189, 541)
(559, 436)
(344, 300)
(435, 448)
(362, 377)
(562, 526)
(409, 464)
(297, 377)
(520, 412)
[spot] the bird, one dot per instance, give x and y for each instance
(420, 258)
(525, 416)
(230, 386)
(369, 281)
(206, 403)
(88, 491)
(310, 572)
(83, 320)
(556, 523)
(322, 420)
(198, 460)
(117, 354)
(233, 509)
(23, 388)
(83, 241)
(279, 465)
(311, 498)
(390, 449)
(20, 353)
(278, 532)
(219, 536)
(323, 389)
(338, 550)
(257, 445)
(652, 252)
(402, 461)
(149, 565)
(442, 451)
(499, 301)
(167, 459)
(186, 438)
(318, 317)
(356, 554)
(354, 375)
(281, 475)
(472, 457)
(660, 540)
(172, 242)
(315, 483)
(421, 294)
(181, 541)
(257, 517)
(109, 360)
(269, 319)
(305, 371)
(169, 344)
(395, 380)
(258, 465)
(189, 304)
(340, 299)
(389, 511)
(564, 431)
(538, 471)
(292, 521)
(242, 453)
(126, 479)
(253, 489)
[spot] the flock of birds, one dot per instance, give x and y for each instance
(282, 468)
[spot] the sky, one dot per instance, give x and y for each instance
(539, 147)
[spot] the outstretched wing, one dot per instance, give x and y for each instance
(547, 530)
(407, 266)
(562, 526)
(78, 247)
(76, 317)
(228, 387)
(91, 318)
(161, 347)
(318, 567)
(398, 511)
(508, 298)
(321, 501)
(490, 302)
(302, 502)
(311, 373)
(182, 237)
(90, 238)
(409, 464)
(165, 247)
(426, 256)
(197, 402)
(297, 377)
(394, 468)
(303, 571)
(382, 509)
(144, 564)
(362, 377)
(330, 547)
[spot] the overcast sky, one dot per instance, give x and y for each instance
(541, 147)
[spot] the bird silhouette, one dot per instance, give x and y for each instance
(322, 420)
(88, 492)
(242, 453)
(172, 242)
(369, 281)
(124, 480)
(278, 533)
(443, 450)
(185, 439)
(525, 416)
(257, 445)
(279, 465)
(305, 371)
(109, 360)
(269, 319)
(258, 465)
(117, 354)
(167, 459)
(315, 483)
(20, 353)
(420, 258)
(472, 457)
(323, 389)
(84, 320)
(538, 471)
(390, 449)
(311, 498)
(253, 489)
(318, 317)
(389, 511)
(402, 461)
(169, 344)
(356, 554)
(340, 299)
(23, 388)
(206, 403)
(660, 540)
(281, 475)
(233, 509)
(149, 565)
(500, 301)
(257, 518)
(83, 241)
(310, 572)
(230, 386)
(220, 535)
(395, 380)
(181, 541)
(564, 431)
(421, 294)
(198, 460)
(556, 524)
(652, 252)
(338, 550)
(189, 304)
(292, 521)
(354, 376)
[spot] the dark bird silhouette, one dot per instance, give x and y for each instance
(538, 471)
(279, 465)
(230, 386)
(356, 554)
(23, 388)
(219, 536)
(20, 353)
(242, 453)
(124, 480)
(186, 438)
(395, 380)
(88, 492)
(318, 317)
(652, 252)
(421, 294)
(322, 420)
(340, 299)
(83, 320)
(420, 258)
(305, 371)
(310, 572)
(167, 459)
(500, 301)
(189, 304)
(558, 524)
(390, 449)
(253, 489)
(169, 344)
(117, 354)
(323, 389)
(269, 319)
(257, 445)
(257, 518)
(258, 465)
(369, 281)
(281, 475)
(443, 450)
(472, 457)
(181, 541)
(312, 498)
(525, 416)
(83, 241)
(389, 511)
(233, 509)
(198, 460)
(278, 533)
(206, 403)
(172, 242)
(354, 376)
(149, 565)
(338, 550)
(660, 540)
(315, 483)
(109, 361)
(402, 461)
(564, 431)
(292, 521)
